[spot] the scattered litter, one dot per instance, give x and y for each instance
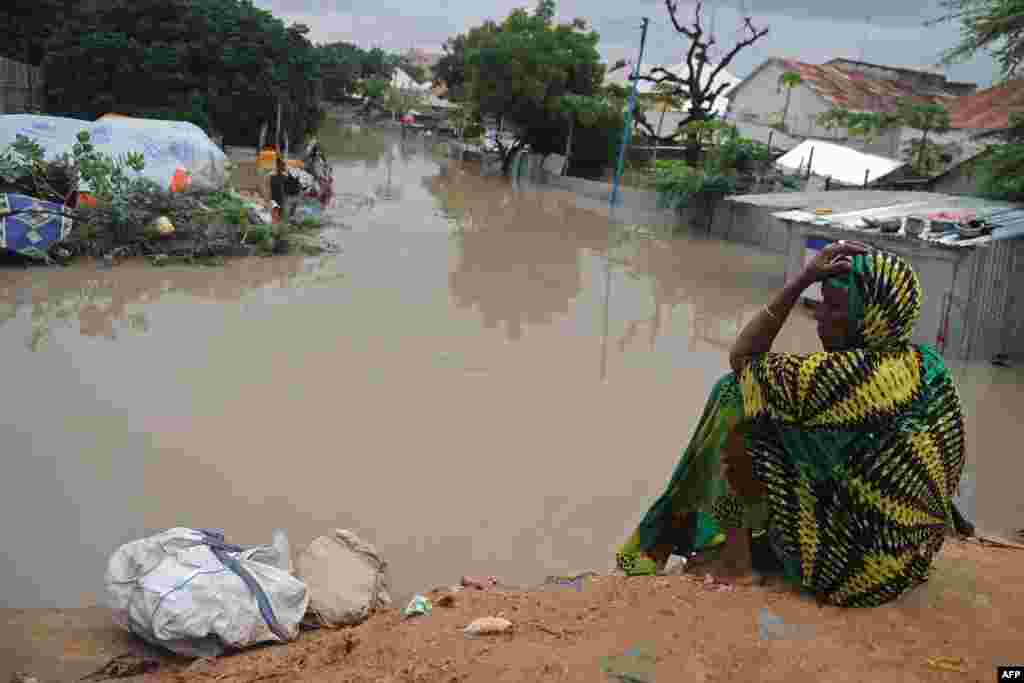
(479, 584)
(447, 600)
(21, 677)
(674, 566)
(123, 666)
(191, 592)
(488, 626)
(635, 666)
(419, 605)
(164, 226)
(955, 664)
(996, 542)
(713, 584)
(202, 666)
(346, 576)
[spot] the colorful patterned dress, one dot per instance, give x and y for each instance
(861, 453)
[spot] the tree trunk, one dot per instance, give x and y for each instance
(785, 109)
(277, 131)
(568, 144)
(657, 137)
(920, 152)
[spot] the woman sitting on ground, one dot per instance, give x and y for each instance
(840, 465)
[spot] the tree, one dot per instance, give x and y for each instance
(1001, 166)
(993, 26)
(664, 99)
(451, 68)
(521, 68)
(788, 80)
(400, 102)
(374, 89)
(834, 119)
(926, 118)
(221, 63)
(700, 95)
(602, 111)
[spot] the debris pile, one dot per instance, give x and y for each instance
(90, 193)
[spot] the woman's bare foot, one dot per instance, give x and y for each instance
(732, 563)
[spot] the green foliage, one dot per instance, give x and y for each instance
(788, 80)
(993, 26)
(1001, 172)
(229, 205)
(678, 184)
(375, 88)
(221, 64)
(926, 118)
(24, 163)
(400, 102)
(521, 68)
(866, 125)
(451, 68)
(345, 65)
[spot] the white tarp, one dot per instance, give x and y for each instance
(166, 145)
(844, 164)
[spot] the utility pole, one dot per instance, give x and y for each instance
(627, 134)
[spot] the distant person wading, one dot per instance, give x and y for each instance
(284, 190)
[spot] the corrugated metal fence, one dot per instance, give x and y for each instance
(996, 309)
(21, 87)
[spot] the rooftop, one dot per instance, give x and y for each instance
(843, 86)
(989, 109)
(850, 206)
(843, 164)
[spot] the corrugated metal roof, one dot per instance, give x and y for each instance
(844, 164)
(989, 109)
(854, 90)
(837, 200)
(922, 204)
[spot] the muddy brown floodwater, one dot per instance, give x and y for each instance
(490, 379)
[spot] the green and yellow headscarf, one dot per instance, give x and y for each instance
(885, 299)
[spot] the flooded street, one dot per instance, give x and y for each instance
(489, 379)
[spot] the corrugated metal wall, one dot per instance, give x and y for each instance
(21, 87)
(996, 303)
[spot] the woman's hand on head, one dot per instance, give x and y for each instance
(835, 259)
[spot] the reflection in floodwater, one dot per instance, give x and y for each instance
(108, 302)
(518, 260)
(487, 342)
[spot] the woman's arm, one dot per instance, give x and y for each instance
(760, 333)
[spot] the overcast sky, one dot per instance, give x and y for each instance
(880, 31)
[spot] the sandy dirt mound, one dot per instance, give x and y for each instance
(965, 621)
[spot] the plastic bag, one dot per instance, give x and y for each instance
(190, 592)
